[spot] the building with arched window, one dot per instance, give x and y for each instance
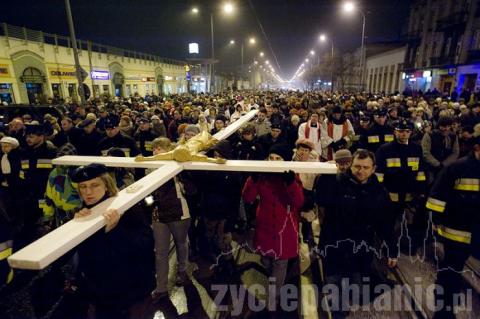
(35, 66)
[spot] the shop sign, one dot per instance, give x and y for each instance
(168, 78)
(4, 70)
(148, 79)
(452, 71)
(99, 75)
(63, 73)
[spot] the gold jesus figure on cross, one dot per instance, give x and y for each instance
(55, 244)
(188, 152)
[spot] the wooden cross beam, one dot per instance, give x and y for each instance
(55, 244)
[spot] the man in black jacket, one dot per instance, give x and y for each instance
(453, 202)
(357, 209)
(114, 138)
(89, 138)
(36, 166)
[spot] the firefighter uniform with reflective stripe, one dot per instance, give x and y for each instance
(36, 166)
(400, 168)
(376, 136)
(454, 202)
(6, 274)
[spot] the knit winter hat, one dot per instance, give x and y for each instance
(282, 150)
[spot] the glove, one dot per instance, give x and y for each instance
(288, 177)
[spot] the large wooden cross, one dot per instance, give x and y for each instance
(55, 244)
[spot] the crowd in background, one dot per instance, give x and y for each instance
(209, 207)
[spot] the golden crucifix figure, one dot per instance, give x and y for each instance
(188, 152)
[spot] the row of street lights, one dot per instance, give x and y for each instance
(228, 8)
(348, 7)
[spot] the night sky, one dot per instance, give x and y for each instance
(165, 27)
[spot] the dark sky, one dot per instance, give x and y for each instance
(165, 27)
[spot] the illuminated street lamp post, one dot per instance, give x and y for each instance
(228, 8)
(323, 38)
(350, 7)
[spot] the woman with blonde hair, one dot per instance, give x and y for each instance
(116, 264)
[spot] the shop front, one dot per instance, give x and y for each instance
(33, 80)
(118, 81)
(139, 84)
(198, 84)
(63, 81)
(418, 80)
(467, 78)
(31, 77)
(100, 79)
(169, 85)
(6, 87)
(116, 72)
(445, 82)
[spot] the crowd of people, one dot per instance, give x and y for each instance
(400, 160)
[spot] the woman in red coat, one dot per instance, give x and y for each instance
(281, 197)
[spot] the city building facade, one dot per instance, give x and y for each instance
(443, 46)
(384, 71)
(35, 64)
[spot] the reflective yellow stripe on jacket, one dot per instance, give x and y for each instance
(455, 235)
(388, 137)
(5, 252)
(436, 205)
(414, 163)
(467, 184)
(380, 177)
(395, 197)
(394, 162)
(25, 164)
(41, 163)
(421, 177)
(5, 249)
(374, 139)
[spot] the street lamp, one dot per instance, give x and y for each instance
(262, 54)
(228, 8)
(312, 52)
(349, 7)
(306, 60)
(323, 38)
(232, 41)
(251, 41)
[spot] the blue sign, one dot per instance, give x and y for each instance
(188, 77)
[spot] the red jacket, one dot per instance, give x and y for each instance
(276, 234)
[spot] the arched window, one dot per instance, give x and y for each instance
(32, 75)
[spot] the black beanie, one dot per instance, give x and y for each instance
(283, 150)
